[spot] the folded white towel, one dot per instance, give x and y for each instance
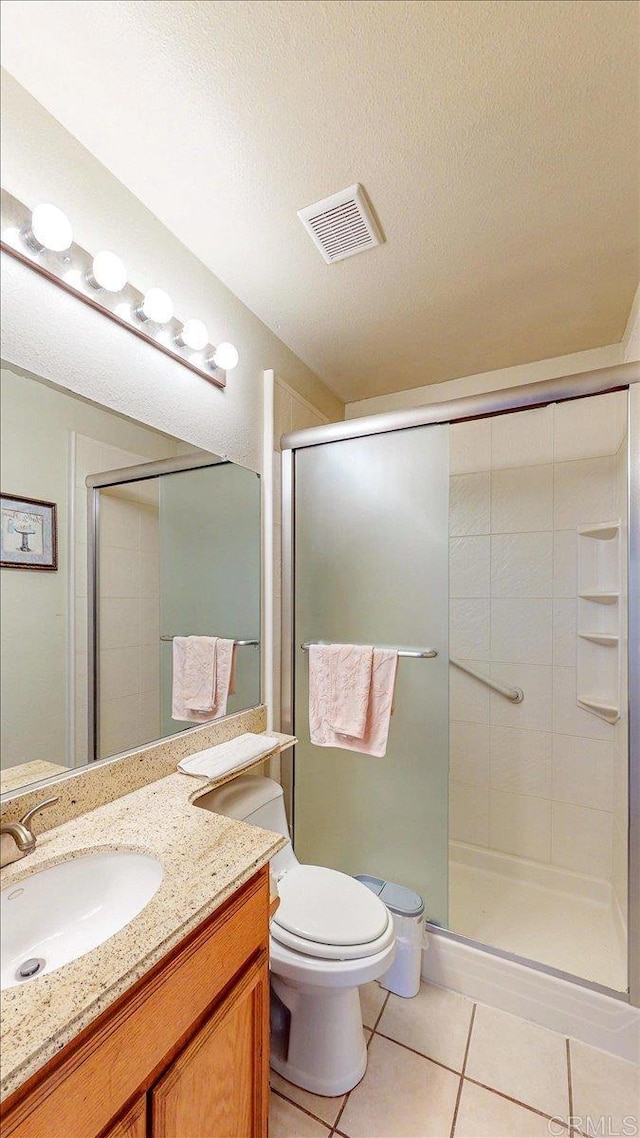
(227, 757)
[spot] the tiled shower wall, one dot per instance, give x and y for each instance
(543, 780)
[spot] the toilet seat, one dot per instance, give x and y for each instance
(327, 914)
(333, 952)
(320, 973)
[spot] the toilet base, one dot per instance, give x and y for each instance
(326, 1052)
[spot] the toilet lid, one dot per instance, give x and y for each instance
(328, 907)
(337, 953)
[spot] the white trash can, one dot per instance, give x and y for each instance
(403, 977)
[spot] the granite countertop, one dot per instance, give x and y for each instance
(16, 777)
(206, 858)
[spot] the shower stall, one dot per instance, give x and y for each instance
(494, 541)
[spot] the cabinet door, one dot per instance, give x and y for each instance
(133, 1124)
(218, 1086)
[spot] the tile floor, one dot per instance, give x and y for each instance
(440, 1065)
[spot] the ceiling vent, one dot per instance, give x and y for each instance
(341, 225)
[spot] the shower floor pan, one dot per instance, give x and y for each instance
(576, 934)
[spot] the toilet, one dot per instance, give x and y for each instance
(329, 935)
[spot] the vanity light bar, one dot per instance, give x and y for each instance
(43, 240)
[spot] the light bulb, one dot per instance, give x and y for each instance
(156, 306)
(50, 229)
(225, 357)
(193, 335)
(107, 272)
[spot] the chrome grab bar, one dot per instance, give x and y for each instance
(516, 695)
(414, 653)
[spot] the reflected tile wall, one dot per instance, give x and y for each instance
(130, 606)
(129, 551)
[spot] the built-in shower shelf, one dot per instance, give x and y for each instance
(607, 531)
(598, 650)
(604, 710)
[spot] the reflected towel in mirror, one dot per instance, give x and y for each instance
(203, 677)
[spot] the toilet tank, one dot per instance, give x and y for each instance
(250, 798)
(260, 802)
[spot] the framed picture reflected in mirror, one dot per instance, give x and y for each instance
(28, 537)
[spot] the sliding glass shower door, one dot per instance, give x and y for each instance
(372, 567)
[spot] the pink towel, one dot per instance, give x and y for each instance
(323, 712)
(225, 674)
(348, 674)
(199, 672)
(203, 677)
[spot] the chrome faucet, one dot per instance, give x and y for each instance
(21, 831)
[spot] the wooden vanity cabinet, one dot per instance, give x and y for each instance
(211, 1088)
(134, 1122)
(183, 1054)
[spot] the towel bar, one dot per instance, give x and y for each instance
(415, 653)
(238, 643)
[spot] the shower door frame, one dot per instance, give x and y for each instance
(621, 377)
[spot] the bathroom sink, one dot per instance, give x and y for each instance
(61, 912)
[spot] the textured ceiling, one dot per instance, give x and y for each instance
(497, 140)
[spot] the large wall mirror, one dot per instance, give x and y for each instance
(116, 539)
